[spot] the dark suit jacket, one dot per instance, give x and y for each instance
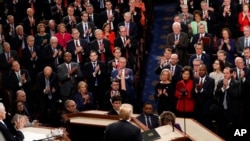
(56, 15)
(154, 119)
(8, 36)
(208, 48)
(27, 27)
(131, 47)
(133, 29)
(96, 21)
(204, 57)
(126, 132)
(16, 43)
(112, 112)
(4, 65)
(181, 48)
(69, 25)
(204, 99)
(91, 26)
(71, 48)
(17, 136)
(94, 45)
(104, 18)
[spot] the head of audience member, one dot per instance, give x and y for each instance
(127, 17)
(246, 31)
(226, 33)
(70, 11)
(84, 16)
(174, 59)
(10, 19)
(108, 4)
(82, 87)
(122, 31)
(187, 73)
(165, 75)
(58, 2)
(122, 62)
(115, 84)
(117, 53)
(126, 111)
(25, 119)
(47, 71)
(30, 41)
(228, 73)
(167, 53)
(196, 64)
(245, 8)
(67, 57)
(19, 30)
(131, 4)
(177, 18)
(203, 70)
(54, 42)
(239, 63)
(90, 9)
(75, 34)
(167, 118)
(18, 107)
(61, 28)
(116, 102)
(106, 28)
(6, 47)
(52, 24)
(204, 6)
(184, 8)
(15, 66)
(41, 28)
(30, 12)
(70, 106)
(198, 48)
(226, 3)
(197, 15)
(98, 34)
(147, 108)
(21, 96)
(222, 55)
(201, 28)
(93, 56)
(246, 52)
(176, 26)
(218, 65)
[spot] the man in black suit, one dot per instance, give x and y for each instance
(17, 135)
(227, 92)
(86, 28)
(9, 28)
(58, 11)
(95, 72)
(48, 91)
(203, 95)
(102, 46)
(30, 23)
(93, 16)
(116, 102)
(147, 117)
(200, 55)
(70, 20)
(127, 131)
(53, 54)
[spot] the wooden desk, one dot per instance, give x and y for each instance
(36, 133)
(167, 134)
(197, 131)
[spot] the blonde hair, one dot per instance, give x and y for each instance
(166, 117)
(169, 74)
(125, 111)
(82, 83)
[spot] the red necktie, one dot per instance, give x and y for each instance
(31, 24)
(201, 81)
(79, 55)
(102, 53)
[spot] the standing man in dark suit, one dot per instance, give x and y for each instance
(147, 117)
(178, 41)
(95, 72)
(9, 28)
(200, 55)
(58, 11)
(116, 102)
(52, 54)
(127, 131)
(48, 91)
(70, 20)
(227, 92)
(17, 135)
(86, 28)
(93, 16)
(102, 46)
(69, 75)
(78, 47)
(30, 23)
(203, 96)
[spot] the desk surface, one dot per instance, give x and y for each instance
(167, 133)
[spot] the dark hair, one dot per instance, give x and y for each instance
(189, 69)
(228, 31)
(222, 65)
(116, 98)
(115, 80)
(197, 12)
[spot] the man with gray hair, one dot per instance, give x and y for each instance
(178, 41)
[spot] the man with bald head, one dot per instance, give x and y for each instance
(47, 90)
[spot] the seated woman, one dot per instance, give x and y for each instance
(168, 118)
(84, 98)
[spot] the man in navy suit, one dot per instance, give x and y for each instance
(203, 95)
(127, 131)
(147, 117)
(6, 132)
(199, 54)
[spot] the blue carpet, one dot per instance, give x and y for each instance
(163, 19)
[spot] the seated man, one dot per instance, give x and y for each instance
(116, 104)
(147, 117)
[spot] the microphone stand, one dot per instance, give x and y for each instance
(183, 94)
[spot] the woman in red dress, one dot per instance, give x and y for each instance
(183, 93)
(109, 34)
(63, 36)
